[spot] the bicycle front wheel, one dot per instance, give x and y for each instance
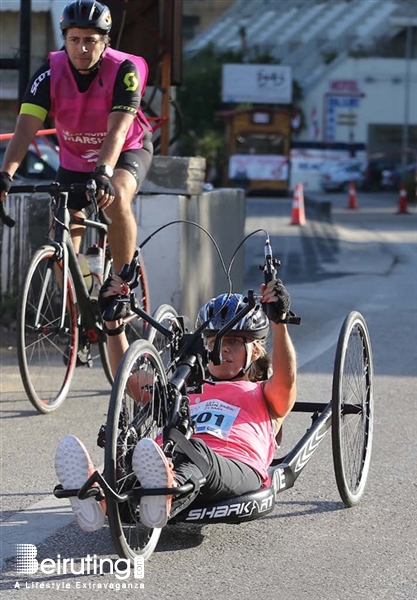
(352, 408)
(47, 332)
(138, 409)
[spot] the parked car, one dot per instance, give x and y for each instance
(40, 163)
(339, 176)
(392, 178)
(374, 173)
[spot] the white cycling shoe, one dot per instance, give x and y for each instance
(153, 470)
(73, 467)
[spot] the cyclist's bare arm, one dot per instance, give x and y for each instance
(118, 125)
(280, 390)
(25, 131)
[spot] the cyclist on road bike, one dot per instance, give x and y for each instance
(238, 447)
(93, 93)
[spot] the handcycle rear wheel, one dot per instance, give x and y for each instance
(137, 409)
(352, 408)
(47, 352)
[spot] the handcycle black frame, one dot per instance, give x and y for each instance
(61, 242)
(190, 358)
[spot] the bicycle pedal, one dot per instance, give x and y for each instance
(101, 437)
(84, 358)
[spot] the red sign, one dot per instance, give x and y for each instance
(345, 86)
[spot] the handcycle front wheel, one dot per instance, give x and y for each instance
(47, 332)
(352, 408)
(137, 410)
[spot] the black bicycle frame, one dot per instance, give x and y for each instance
(62, 240)
(62, 244)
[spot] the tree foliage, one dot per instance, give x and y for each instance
(199, 99)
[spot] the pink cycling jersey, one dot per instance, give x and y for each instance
(81, 118)
(233, 419)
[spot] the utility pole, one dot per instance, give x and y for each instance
(407, 23)
(21, 63)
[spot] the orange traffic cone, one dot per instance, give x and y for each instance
(298, 216)
(352, 200)
(402, 201)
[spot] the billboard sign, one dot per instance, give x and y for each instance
(339, 111)
(257, 84)
(258, 167)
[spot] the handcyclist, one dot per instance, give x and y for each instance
(93, 93)
(237, 443)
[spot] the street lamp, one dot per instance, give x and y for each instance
(407, 23)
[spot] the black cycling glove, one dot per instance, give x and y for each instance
(103, 183)
(5, 181)
(131, 272)
(118, 306)
(275, 310)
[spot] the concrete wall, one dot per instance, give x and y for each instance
(183, 267)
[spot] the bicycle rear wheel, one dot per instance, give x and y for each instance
(135, 326)
(168, 317)
(142, 291)
(46, 348)
(137, 409)
(352, 408)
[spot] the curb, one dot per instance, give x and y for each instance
(318, 209)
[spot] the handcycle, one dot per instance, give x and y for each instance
(58, 322)
(149, 399)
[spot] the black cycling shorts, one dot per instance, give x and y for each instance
(136, 161)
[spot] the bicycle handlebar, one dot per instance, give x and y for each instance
(54, 189)
(91, 188)
(270, 269)
(4, 217)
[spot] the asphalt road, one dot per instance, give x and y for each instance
(310, 546)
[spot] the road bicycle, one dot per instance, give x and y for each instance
(59, 324)
(150, 399)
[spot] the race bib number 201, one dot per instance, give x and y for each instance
(214, 417)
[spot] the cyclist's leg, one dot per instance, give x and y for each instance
(122, 232)
(226, 478)
(116, 344)
(129, 174)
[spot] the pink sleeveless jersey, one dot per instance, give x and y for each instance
(233, 420)
(81, 118)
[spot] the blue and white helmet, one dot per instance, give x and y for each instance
(221, 310)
